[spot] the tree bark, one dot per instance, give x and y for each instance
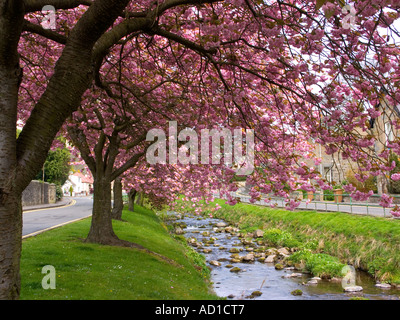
(101, 230)
(10, 245)
(131, 200)
(11, 20)
(140, 199)
(118, 201)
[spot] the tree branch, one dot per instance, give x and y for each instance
(37, 5)
(128, 164)
(187, 43)
(112, 37)
(145, 23)
(79, 140)
(47, 33)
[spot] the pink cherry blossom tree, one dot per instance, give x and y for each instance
(291, 70)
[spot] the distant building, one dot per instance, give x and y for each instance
(334, 169)
(81, 184)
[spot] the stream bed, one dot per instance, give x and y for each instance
(259, 280)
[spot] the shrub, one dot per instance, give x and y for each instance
(328, 195)
(272, 235)
(318, 264)
(368, 185)
(59, 192)
(282, 238)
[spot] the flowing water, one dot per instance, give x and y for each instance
(262, 277)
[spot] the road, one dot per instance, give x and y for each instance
(36, 221)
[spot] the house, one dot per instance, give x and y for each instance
(336, 170)
(384, 132)
(81, 184)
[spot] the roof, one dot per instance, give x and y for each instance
(84, 178)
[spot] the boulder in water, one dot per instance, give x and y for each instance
(353, 289)
(215, 263)
(270, 258)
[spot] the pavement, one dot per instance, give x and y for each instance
(37, 219)
(371, 209)
(65, 201)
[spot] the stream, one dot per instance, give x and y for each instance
(259, 277)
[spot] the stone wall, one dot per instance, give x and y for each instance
(39, 193)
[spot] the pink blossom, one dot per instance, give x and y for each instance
(361, 196)
(292, 204)
(396, 212)
(395, 176)
(349, 188)
(386, 201)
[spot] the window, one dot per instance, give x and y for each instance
(328, 173)
(389, 132)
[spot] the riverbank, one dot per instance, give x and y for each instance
(325, 240)
(96, 272)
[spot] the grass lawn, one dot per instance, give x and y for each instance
(89, 271)
(368, 243)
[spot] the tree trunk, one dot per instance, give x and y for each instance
(10, 245)
(11, 19)
(118, 201)
(101, 230)
(140, 199)
(10, 194)
(131, 200)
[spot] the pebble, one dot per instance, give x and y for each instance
(248, 257)
(293, 275)
(297, 292)
(215, 263)
(258, 234)
(383, 285)
(256, 293)
(270, 259)
(283, 251)
(353, 289)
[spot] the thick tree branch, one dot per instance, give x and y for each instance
(128, 164)
(175, 3)
(73, 74)
(187, 43)
(113, 36)
(37, 5)
(11, 21)
(79, 140)
(145, 21)
(47, 33)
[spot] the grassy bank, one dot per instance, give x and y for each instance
(90, 271)
(368, 243)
